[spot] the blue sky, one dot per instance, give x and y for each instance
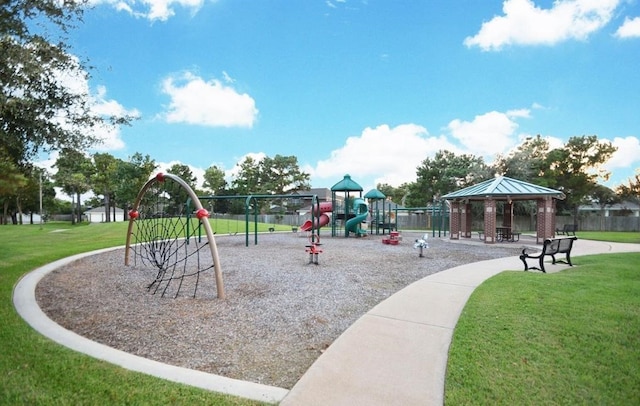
(369, 88)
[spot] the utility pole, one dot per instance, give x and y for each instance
(41, 219)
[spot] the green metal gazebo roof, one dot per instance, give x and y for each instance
(374, 194)
(503, 187)
(346, 185)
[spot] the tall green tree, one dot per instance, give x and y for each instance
(131, 175)
(576, 168)
(282, 175)
(630, 190)
(214, 180)
(12, 178)
(396, 194)
(184, 172)
(38, 186)
(216, 184)
(104, 180)
(603, 197)
(248, 179)
(38, 111)
(277, 175)
(178, 196)
(74, 177)
(445, 173)
(526, 162)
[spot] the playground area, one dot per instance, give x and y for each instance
(279, 313)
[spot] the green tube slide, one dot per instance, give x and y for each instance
(352, 225)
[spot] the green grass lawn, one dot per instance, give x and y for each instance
(614, 236)
(565, 338)
(38, 371)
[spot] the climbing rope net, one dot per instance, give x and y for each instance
(166, 226)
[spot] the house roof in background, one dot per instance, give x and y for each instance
(323, 194)
(617, 206)
(100, 209)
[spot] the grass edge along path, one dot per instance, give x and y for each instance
(571, 337)
(36, 370)
(627, 237)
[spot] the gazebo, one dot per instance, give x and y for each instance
(508, 190)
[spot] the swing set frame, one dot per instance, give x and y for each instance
(249, 202)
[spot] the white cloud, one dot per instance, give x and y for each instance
(554, 142)
(519, 113)
(627, 155)
(48, 164)
(109, 134)
(630, 28)
(196, 101)
(76, 81)
(488, 134)
(523, 23)
(391, 155)
(151, 9)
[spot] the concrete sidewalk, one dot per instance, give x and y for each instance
(396, 354)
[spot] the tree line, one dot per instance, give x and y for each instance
(575, 169)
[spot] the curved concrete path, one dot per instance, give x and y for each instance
(394, 354)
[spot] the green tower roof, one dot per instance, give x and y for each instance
(346, 185)
(375, 194)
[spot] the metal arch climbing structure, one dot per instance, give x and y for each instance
(161, 234)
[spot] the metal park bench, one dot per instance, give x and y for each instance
(550, 247)
(567, 229)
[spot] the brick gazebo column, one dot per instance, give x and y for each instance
(553, 222)
(454, 221)
(546, 219)
(507, 217)
(489, 221)
(465, 220)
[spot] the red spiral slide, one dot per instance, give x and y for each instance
(323, 220)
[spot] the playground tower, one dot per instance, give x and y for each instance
(343, 196)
